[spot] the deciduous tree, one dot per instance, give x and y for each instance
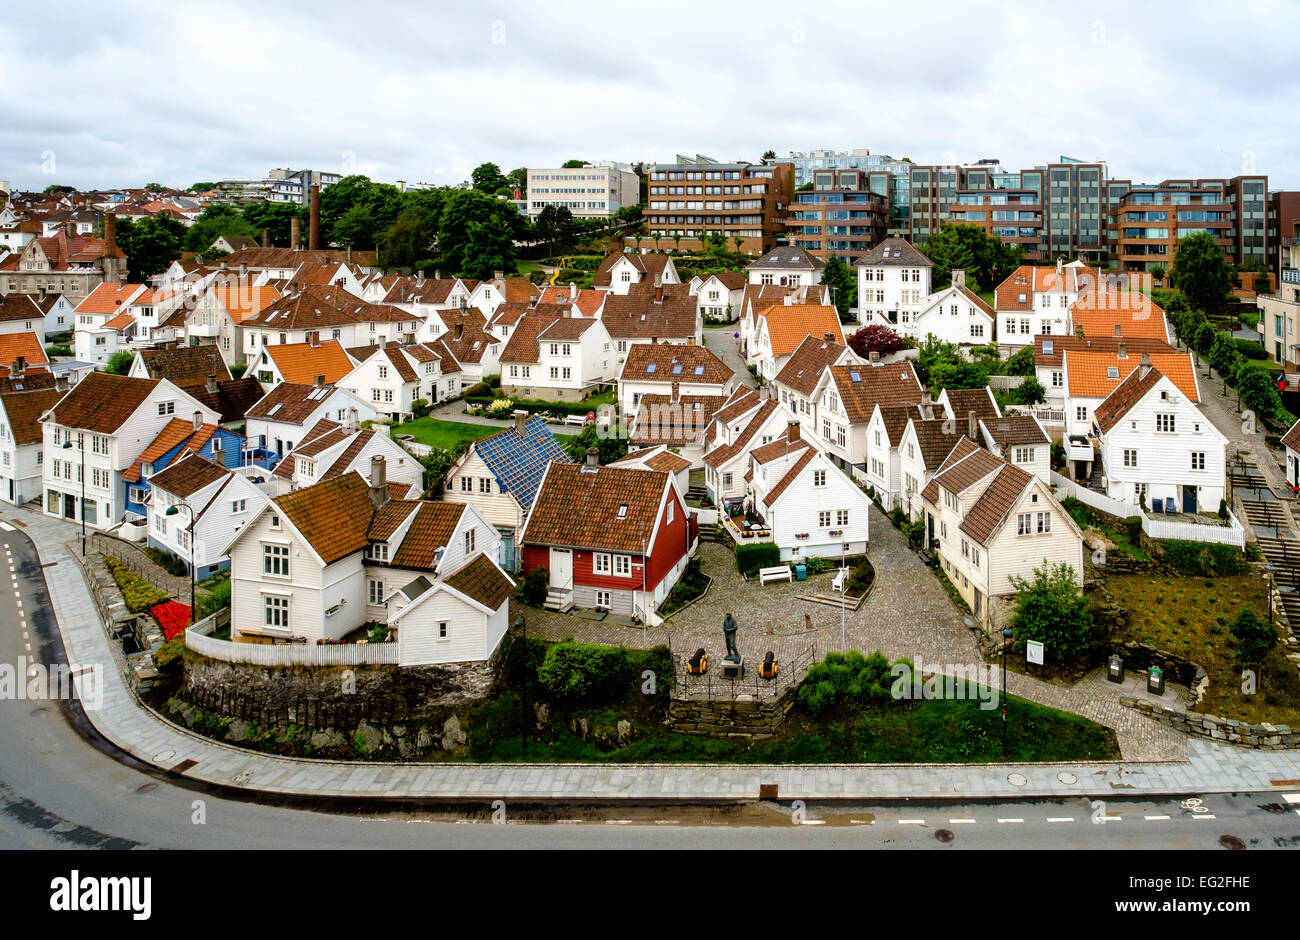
(1202, 272)
(1051, 610)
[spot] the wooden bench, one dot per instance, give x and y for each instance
(575, 419)
(778, 573)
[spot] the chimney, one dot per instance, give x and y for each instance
(659, 280)
(958, 277)
(1117, 331)
(499, 275)
(320, 381)
(1123, 351)
(654, 340)
(42, 294)
(198, 420)
(110, 234)
(295, 233)
(573, 291)
(378, 479)
(460, 330)
(874, 357)
(1145, 367)
(593, 457)
(437, 274)
(829, 337)
(266, 238)
(1060, 267)
(521, 418)
(401, 186)
(14, 371)
(313, 220)
(212, 383)
(243, 271)
(353, 423)
(677, 391)
(21, 362)
(971, 426)
(349, 254)
(792, 431)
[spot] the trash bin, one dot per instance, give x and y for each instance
(1115, 668)
(1156, 681)
(801, 572)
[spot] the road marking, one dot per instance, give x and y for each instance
(872, 822)
(961, 822)
(1291, 797)
(668, 822)
(1204, 816)
(1060, 819)
(1015, 820)
(1157, 818)
(7, 527)
(1107, 819)
(813, 822)
(911, 822)
(618, 822)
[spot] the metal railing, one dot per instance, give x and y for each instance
(713, 686)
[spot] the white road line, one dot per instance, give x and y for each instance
(872, 822)
(1015, 820)
(1060, 819)
(1204, 816)
(961, 822)
(668, 822)
(1107, 819)
(7, 527)
(618, 822)
(813, 822)
(911, 822)
(1157, 818)
(1291, 797)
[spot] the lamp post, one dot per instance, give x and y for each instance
(1006, 639)
(81, 445)
(523, 626)
(1270, 568)
(171, 511)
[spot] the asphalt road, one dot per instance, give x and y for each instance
(63, 787)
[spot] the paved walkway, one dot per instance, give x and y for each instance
(121, 719)
(723, 344)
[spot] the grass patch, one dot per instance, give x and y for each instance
(689, 586)
(444, 434)
(1190, 616)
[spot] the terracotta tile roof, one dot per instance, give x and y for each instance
(986, 516)
(447, 355)
(119, 322)
(26, 345)
(432, 529)
(893, 383)
(343, 462)
(187, 476)
(508, 314)
(1107, 344)
(647, 312)
(29, 380)
(775, 450)
(232, 399)
(787, 257)
(967, 469)
(108, 298)
(805, 366)
(243, 301)
(894, 251)
(936, 438)
(23, 411)
(1126, 394)
(791, 475)
(587, 302)
(673, 362)
(295, 400)
(668, 461)
(977, 300)
(1088, 375)
(523, 345)
(174, 433)
(393, 353)
(389, 517)
(720, 455)
(962, 401)
(1029, 279)
(483, 581)
(789, 324)
(1011, 430)
(661, 420)
(741, 400)
(333, 516)
(566, 328)
(102, 402)
(419, 290)
(895, 418)
(1134, 313)
(262, 258)
(648, 264)
(302, 362)
(184, 363)
(620, 508)
(19, 307)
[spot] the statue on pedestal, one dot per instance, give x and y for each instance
(729, 626)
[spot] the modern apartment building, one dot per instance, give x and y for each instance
(1150, 220)
(840, 215)
(807, 163)
(700, 196)
(594, 191)
(280, 185)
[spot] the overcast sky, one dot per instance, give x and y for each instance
(99, 95)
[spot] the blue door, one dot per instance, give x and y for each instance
(506, 558)
(1189, 499)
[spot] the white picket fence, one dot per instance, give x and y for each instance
(198, 638)
(1230, 534)
(706, 516)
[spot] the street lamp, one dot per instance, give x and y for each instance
(171, 511)
(1006, 640)
(67, 445)
(523, 626)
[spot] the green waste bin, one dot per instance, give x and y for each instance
(801, 572)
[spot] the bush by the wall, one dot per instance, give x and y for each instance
(1133, 528)
(586, 673)
(555, 407)
(1201, 559)
(847, 677)
(1078, 511)
(138, 593)
(532, 590)
(749, 558)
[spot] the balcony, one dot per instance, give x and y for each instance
(1078, 447)
(207, 330)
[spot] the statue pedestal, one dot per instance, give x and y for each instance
(733, 667)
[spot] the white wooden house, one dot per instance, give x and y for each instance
(893, 283)
(953, 315)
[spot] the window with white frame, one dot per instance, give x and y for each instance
(603, 599)
(824, 519)
(1081, 413)
(1024, 523)
(841, 517)
(623, 565)
(467, 484)
(374, 591)
(442, 629)
(1022, 455)
(1165, 422)
(277, 611)
(238, 506)
(469, 542)
(275, 560)
(1198, 460)
(1130, 458)
(819, 478)
(485, 484)
(601, 564)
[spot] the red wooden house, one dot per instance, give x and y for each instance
(615, 538)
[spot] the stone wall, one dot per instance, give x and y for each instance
(1228, 730)
(742, 718)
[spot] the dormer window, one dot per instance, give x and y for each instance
(378, 552)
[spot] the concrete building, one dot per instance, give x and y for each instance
(592, 191)
(694, 197)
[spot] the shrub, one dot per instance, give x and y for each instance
(138, 593)
(1223, 510)
(749, 558)
(586, 673)
(420, 408)
(1080, 513)
(861, 579)
(238, 369)
(532, 590)
(1255, 637)
(218, 596)
(167, 561)
(479, 390)
(1133, 528)
(55, 349)
(1051, 610)
(847, 677)
(1199, 559)
(898, 517)
(170, 654)
(1250, 349)
(915, 532)
(492, 381)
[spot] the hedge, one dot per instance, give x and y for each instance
(138, 593)
(749, 558)
(586, 673)
(1250, 349)
(1198, 559)
(555, 407)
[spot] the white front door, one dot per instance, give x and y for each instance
(561, 568)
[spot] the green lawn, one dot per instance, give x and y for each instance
(444, 434)
(526, 268)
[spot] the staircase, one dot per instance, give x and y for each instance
(559, 599)
(696, 492)
(716, 534)
(1094, 480)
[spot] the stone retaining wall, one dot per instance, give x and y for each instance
(742, 718)
(1263, 736)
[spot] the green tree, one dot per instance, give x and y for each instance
(356, 228)
(382, 199)
(805, 188)
(519, 180)
(611, 448)
(488, 178)
(119, 363)
(1202, 272)
(1051, 610)
(986, 260)
(573, 164)
(275, 218)
(155, 188)
(842, 283)
(1223, 354)
(1158, 272)
(409, 239)
(150, 245)
(1031, 392)
(1254, 635)
(213, 222)
(489, 248)
(555, 225)
(769, 155)
(948, 253)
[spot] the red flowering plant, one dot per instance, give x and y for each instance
(173, 617)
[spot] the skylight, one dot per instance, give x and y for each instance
(1112, 372)
(622, 511)
(653, 367)
(677, 370)
(699, 370)
(855, 376)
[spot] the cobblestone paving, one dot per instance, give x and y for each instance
(722, 344)
(908, 614)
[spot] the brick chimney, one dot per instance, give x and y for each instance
(593, 457)
(792, 431)
(320, 381)
(1060, 266)
(353, 423)
(110, 234)
(14, 371)
(313, 219)
(212, 383)
(972, 426)
(677, 391)
(874, 357)
(295, 233)
(198, 420)
(829, 337)
(266, 238)
(378, 480)
(958, 277)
